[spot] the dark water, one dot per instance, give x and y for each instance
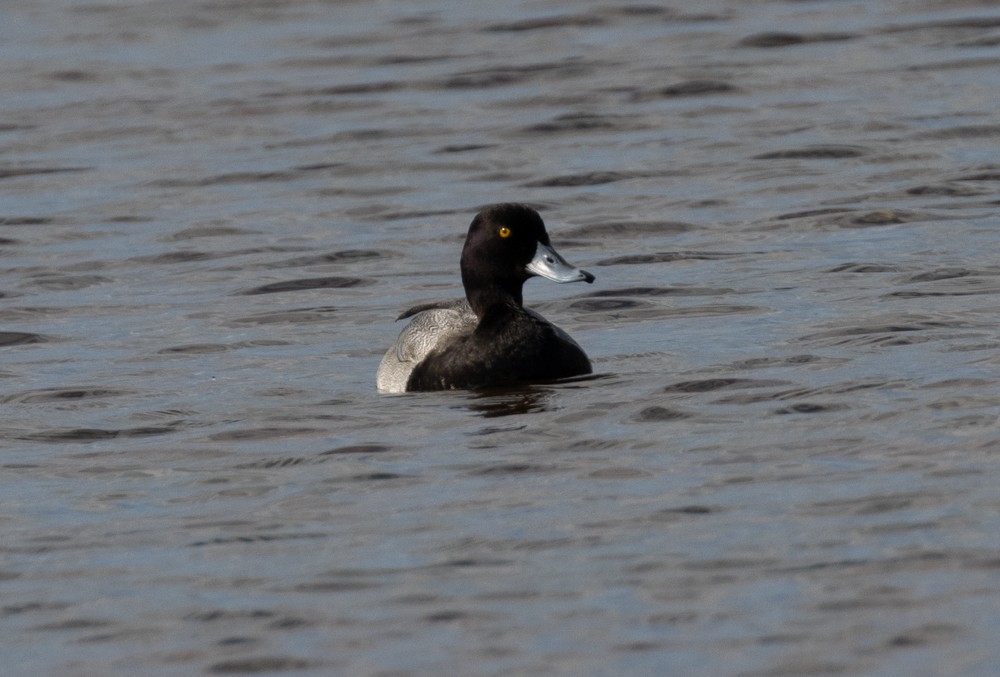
(788, 463)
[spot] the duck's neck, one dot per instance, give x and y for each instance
(493, 297)
(486, 290)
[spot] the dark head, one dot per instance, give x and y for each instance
(506, 245)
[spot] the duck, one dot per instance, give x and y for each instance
(489, 339)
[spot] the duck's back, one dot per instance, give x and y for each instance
(432, 326)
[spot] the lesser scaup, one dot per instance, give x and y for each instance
(489, 338)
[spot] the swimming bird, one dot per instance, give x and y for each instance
(489, 338)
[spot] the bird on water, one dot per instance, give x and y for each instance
(489, 338)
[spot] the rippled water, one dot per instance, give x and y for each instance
(786, 464)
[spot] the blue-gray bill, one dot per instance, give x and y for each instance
(549, 264)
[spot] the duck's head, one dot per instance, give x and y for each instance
(506, 245)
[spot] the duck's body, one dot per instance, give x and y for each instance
(490, 338)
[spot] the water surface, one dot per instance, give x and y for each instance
(786, 463)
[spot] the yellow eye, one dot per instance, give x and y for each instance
(504, 231)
